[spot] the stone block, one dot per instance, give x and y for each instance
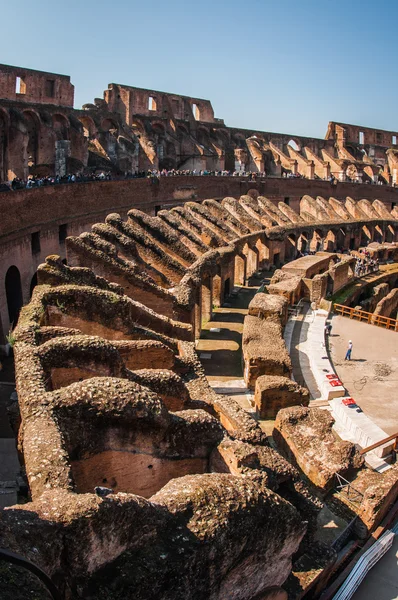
(274, 392)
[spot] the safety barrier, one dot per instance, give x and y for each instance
(363, 566)
(367, 317)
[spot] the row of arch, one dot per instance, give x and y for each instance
(28, 139)
(246, 261)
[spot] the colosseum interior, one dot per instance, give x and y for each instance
(140, 475)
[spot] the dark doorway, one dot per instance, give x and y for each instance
(13, 294)
(227, 287)
(33, 284)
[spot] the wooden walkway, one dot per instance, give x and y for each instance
(366, 317)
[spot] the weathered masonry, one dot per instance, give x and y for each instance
(132, 129)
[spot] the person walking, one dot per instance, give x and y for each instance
(349, 350)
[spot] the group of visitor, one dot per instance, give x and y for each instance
(364, 264)
(35, 181)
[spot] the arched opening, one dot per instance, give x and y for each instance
(33, 129)
(196, 112)
(366, 236)
(302, 243)
(240, 269)
(13, 294)
(317, 241)
(330, 242)
(227, 287)
(294, 145)
(89, 128)
(109, 125)
(340, 236)
(290, 247)
(378, 235)
(61, 127)
(33, 284)
(389, 234)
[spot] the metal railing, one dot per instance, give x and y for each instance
(366, 317)
(343, 486)
(20, 561)
(363, 566)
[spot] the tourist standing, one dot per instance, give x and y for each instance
(349, 350)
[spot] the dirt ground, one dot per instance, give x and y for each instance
(371, 377)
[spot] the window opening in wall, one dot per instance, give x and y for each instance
(62, 233)
(394, 140)
(196, 112)
(157, 209)
(393, 205)
(361, 137)
(50, 88)
(35, 242)
(287, 200)
(294, 145)
(20, 87)
(151, 103)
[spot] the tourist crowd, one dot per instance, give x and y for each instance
(154, 174)
(365, 264)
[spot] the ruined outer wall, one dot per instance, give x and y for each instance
(37, 86)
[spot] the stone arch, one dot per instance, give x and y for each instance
(110, 125)
(89, 127)
(330, 241)
(291, 246)
(389, 234)
(239, 141)
(14, 297)
(303, 242)
(203, 136)
(340, 235)
(240, 269)
(32, 123)
(295, 143)
(378, 235)
(252, 260)
(138, 127)
(158, 128)
(366, 236)
(317, 241)
(61, 127)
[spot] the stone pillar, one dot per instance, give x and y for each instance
(311, 170)
(294, 167)
(326, 172)
(278, 168)
(62, 153)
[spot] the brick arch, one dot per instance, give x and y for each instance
(33, 127)
(89, 127)
(61, 126)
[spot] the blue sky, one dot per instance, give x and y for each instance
(289, 66)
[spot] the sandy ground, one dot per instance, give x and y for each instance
(371, 377)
